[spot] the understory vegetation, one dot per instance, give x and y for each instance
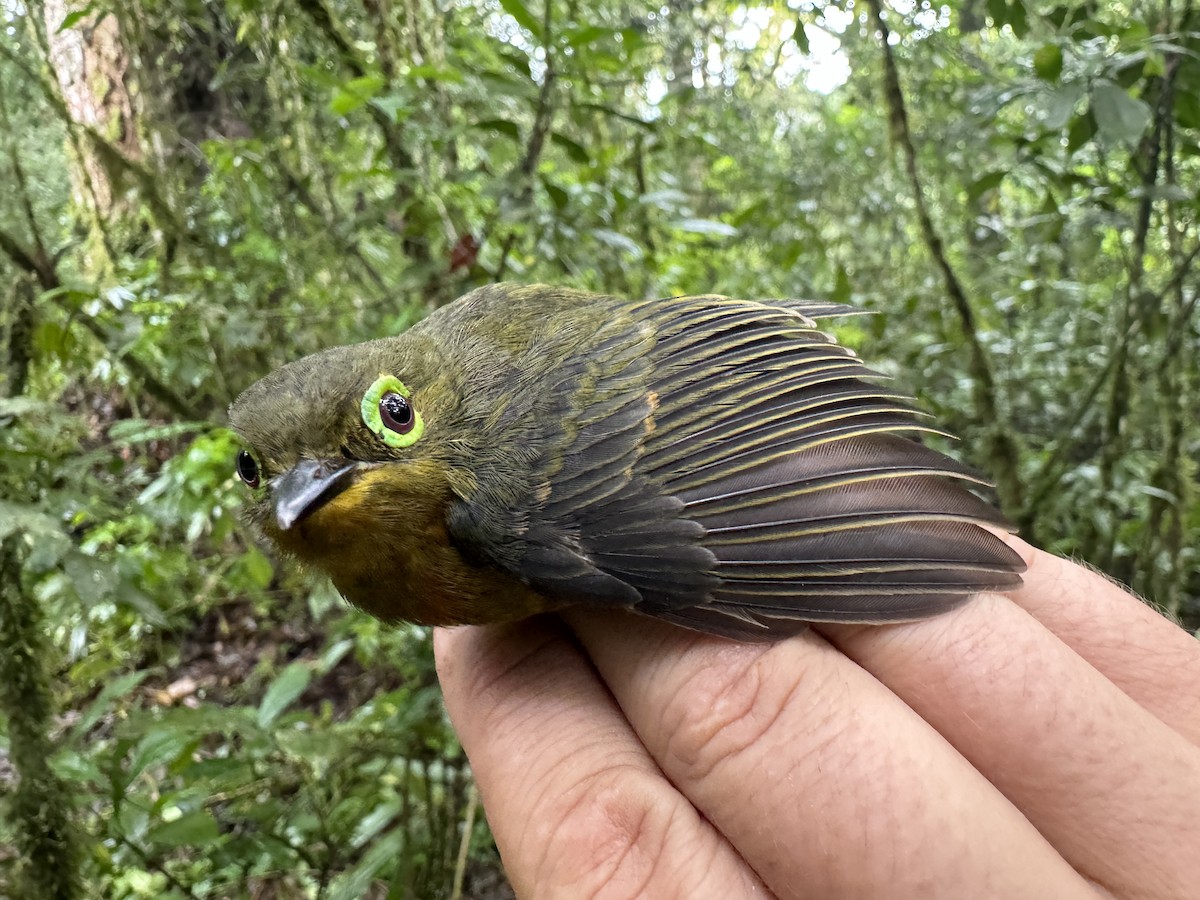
(192, 194)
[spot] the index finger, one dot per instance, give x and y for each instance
(577, 806)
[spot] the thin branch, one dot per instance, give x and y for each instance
(28, 261)
(25, 196)
(347, 244)
(1131, 314)
(146, 180)
(37, 260)
(542, 118)
(1176, 330)
(322, 17)
(464, 847)
(1165, 535)
(1003, 453)
(157, 866)
(152, 384)
(20, 337)
(48, 278)
(415, 246)
(1049, 476)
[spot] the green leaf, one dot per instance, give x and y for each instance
(618, 241)
(505, 127)
(617, 114)
(139, 431)
(668, 199)
(1187, 107)
(194, 829)
(396, 107)
(322, 598)
(519, 62)
(354, 93)
(115, 689)
(435, 73)
(787, 254)
(749, 214)
(1155, 66)
(1118, 116)
(1170, 192)
(54, 338)
(1058, 105)
(1082, 130)
(77, 767)
(132, 596)
(253, 570)
(800, 36)
(1066, 15)
(15, 517)
(633, 38)
(574, 149)
(289, 685)
(985, 183)
(1048, 62)
(841, 288)
(559, 197)
(1018, 18)
(1160, 494)
(159, 747)
(92, 579)
(705, 226)
(524, 17)
(357, 881)
(334, 655)
(583, 35)
(77, 16)
(375, 821)
(19, 406)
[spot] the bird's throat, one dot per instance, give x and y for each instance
(384, 543)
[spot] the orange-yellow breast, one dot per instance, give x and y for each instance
(384, 543)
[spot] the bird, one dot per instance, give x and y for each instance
(721, 464)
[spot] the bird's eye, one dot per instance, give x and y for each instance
(397, 413)
(388, 410)
(247, 469)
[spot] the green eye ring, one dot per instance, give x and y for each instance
(388, 411)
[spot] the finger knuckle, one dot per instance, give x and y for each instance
(719, 713)
(609, 835)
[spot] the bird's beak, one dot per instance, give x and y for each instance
(304, 487)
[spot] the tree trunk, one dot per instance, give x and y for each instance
(92, 65)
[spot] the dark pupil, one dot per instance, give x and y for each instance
(247, 468)
(396, 412)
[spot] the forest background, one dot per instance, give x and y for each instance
(193, 193)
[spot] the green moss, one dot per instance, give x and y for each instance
(40, 805)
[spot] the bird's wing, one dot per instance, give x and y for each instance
(725, 465)
(581, 506)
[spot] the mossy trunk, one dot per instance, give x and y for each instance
(40, 805)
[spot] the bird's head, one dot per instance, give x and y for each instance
(340, 458)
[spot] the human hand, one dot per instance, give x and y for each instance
(1044, 744)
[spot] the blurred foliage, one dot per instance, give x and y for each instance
(194, 193)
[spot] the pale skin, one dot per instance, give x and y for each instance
(1040, 744)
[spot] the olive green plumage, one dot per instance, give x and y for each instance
(718, 463)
